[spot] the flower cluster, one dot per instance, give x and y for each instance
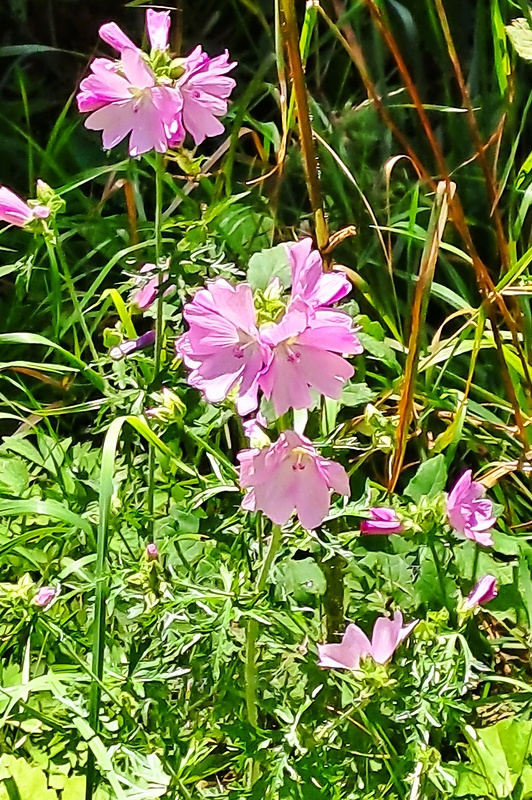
(302, 348)
(227, 350)
(15, 211)
(154, 98)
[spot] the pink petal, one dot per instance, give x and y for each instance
(158, 26)
(136, 70)
(115, 37)
(346, 655)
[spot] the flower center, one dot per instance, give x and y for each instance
(302, 458)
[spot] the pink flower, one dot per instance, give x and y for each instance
(468, 513)
(45, 595)
(381, 520)
(205, 89)
(148, 289)
(306, 344)
(484, 591)
(15, 211)
(124, 98)
(290, 475)
(222, 346)
(355, 645)
(152, 551)
(131, 346)
(309, 282)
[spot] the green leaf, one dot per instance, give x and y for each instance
(500, 752)
(302, 578)
(30, 781)
(356, 394)
(429, 480)
(269, 264)
(14, 476)
(520, 36)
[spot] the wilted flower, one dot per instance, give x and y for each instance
(469, 512)
(306, 346)
(381, 520)
(132, 345)
(290, 475)
(222, 346)
(152, 552)
(484, 591)
(15, 211)
(309, 281)
(355, 645)
(45, 596)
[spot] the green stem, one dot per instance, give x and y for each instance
(439, 572)
(159, 174)
(252, 632)
(55, 251)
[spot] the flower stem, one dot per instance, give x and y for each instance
(252, 633)
(159, 174)
(55, 252)
(290, 34)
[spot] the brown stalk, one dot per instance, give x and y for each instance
(438, 219)
(290, 35)
(351, 45)
(486, 285)
(475, 135)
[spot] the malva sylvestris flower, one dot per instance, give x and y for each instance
(15, 211)
(45, 596)
(148, 282)
(469, 512)
(309, 281)
(355, 645)
(302, 351)
(152, 551)
(485, 590)
(381, 520)
(125, 99)
(290, 475)
(154, 98)
(307, 353)
(222, 346)
(131, 346)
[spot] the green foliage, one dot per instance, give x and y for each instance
(139, 666)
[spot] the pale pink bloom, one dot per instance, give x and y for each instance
(131, 346)
(205, 88)
(152, 551)
(222, 345)
(125, 99)
(355, 645)
(158, 27)
(469, 512)
(484, 591)
(45, 595)
(148, 284)
(306, 346)
(381, 520)
(15, 211)
(309, 281)
(290, 475)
